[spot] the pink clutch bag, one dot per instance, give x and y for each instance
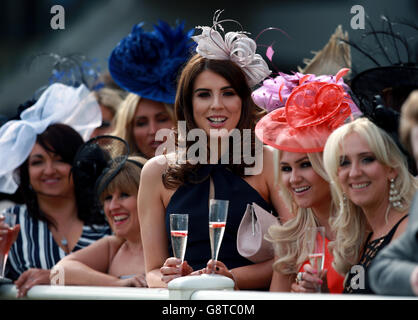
(250, 238)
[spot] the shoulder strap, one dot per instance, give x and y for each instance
(395, 227)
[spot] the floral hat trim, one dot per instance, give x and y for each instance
(312, 111)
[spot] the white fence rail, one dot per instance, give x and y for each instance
(186, 288)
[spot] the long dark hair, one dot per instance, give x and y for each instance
(64, 141)
(178, 174)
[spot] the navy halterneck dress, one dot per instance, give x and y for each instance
(193, 199)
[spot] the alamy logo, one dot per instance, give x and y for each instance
(197, 152)
(358, 280)
(58, 20)
(358, 20)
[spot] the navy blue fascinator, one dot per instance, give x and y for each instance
(147, 63)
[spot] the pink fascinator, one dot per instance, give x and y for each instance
(311, 112)
(274, 92)
(234, 46)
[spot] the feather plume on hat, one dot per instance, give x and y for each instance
(334, 56)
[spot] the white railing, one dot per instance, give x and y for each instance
(8, 291)
(186, 288)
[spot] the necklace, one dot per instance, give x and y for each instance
(64, 243)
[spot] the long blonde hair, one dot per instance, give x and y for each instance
(289, 240)
(124, 121)
(349, 224)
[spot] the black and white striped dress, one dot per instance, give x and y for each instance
(35, 246)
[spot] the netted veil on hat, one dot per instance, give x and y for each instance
(380, 90)
(312, 111)
(99, 161)
(394, 70)
(147, 63)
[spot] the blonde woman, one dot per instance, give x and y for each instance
(115, 260)
(147, 64)
(373, 191)
(299, 131)
(109, 101)
(408, 127)
(138, 120)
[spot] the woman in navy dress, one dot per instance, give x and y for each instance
(214, 93)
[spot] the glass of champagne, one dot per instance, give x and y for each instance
(6, 240)
(218, 212)
(179, 225)
(316, 244)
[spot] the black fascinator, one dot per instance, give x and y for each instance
(381, 90)
(395, 67)
(96, 163)
(96, 158)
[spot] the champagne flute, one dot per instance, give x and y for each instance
(218, 212)
(6, 240)
(316, 245)
(179, 225)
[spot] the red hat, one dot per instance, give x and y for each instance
(312, 111)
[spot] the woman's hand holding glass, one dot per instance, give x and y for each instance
(310, 281)
(8, 234)
(174, 268)
(313, 277)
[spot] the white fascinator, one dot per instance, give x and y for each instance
(59, 103)
(234, 46)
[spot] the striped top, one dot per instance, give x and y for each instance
(35, 246)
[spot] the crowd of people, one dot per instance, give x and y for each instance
(94, 183)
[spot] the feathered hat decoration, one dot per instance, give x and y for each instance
(394, 73)
(334, 56)
(234, 46)
(71, 70)
(147, 63)
(381, 90)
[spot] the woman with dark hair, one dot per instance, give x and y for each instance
(214, 101)
(56, 219)
(63, 141)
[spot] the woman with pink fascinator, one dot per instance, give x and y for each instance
(298, 129)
